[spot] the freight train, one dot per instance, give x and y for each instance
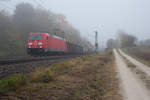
(45, 43)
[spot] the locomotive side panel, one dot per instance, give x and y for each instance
(58, 45)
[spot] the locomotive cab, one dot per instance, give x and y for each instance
(37, 43)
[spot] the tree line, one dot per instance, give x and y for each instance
(15, 28)
(123, 40)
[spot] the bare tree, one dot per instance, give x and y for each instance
(112, 43)
(9, 37)
(126, 40)
(23, 18)
(144, 42)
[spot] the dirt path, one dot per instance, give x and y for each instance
(132, 88)
(140, 65)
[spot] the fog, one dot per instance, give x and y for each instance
(106, 16)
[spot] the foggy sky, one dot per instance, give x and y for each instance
(106, 16)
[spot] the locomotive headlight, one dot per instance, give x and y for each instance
(30, 43)
(40, 43)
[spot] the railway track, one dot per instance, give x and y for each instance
(12, 66)
(31, 59)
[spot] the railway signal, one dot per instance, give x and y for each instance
(96, 41)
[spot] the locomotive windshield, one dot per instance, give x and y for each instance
(36, 37)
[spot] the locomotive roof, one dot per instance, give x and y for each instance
(39, 33)
(52, 35)
(58, 37)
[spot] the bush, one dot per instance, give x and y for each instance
(60, 67)
(12, 83)
(43, 76)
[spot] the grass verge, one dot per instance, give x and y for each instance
(91, 77)
(40, 75)
(142, 54)
(12, 83)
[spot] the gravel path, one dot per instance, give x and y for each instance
(131, 87)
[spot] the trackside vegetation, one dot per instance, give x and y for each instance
(40, 75)
(141, 53)
(12, 83)
(91, 77)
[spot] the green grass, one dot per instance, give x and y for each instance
(76, 96)
(17, 81)
(12, 83)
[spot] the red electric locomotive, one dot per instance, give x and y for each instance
(43, 43)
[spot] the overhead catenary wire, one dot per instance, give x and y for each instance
(39, 4)
(4, 6)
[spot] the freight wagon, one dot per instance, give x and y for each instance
(74, 49)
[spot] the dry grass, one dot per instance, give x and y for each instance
(140, 53)
(129, 64)
(91, 77)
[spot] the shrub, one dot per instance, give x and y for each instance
(12, 83)
(59, 68)
(43, 76)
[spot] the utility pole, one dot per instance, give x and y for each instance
(96, 41)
